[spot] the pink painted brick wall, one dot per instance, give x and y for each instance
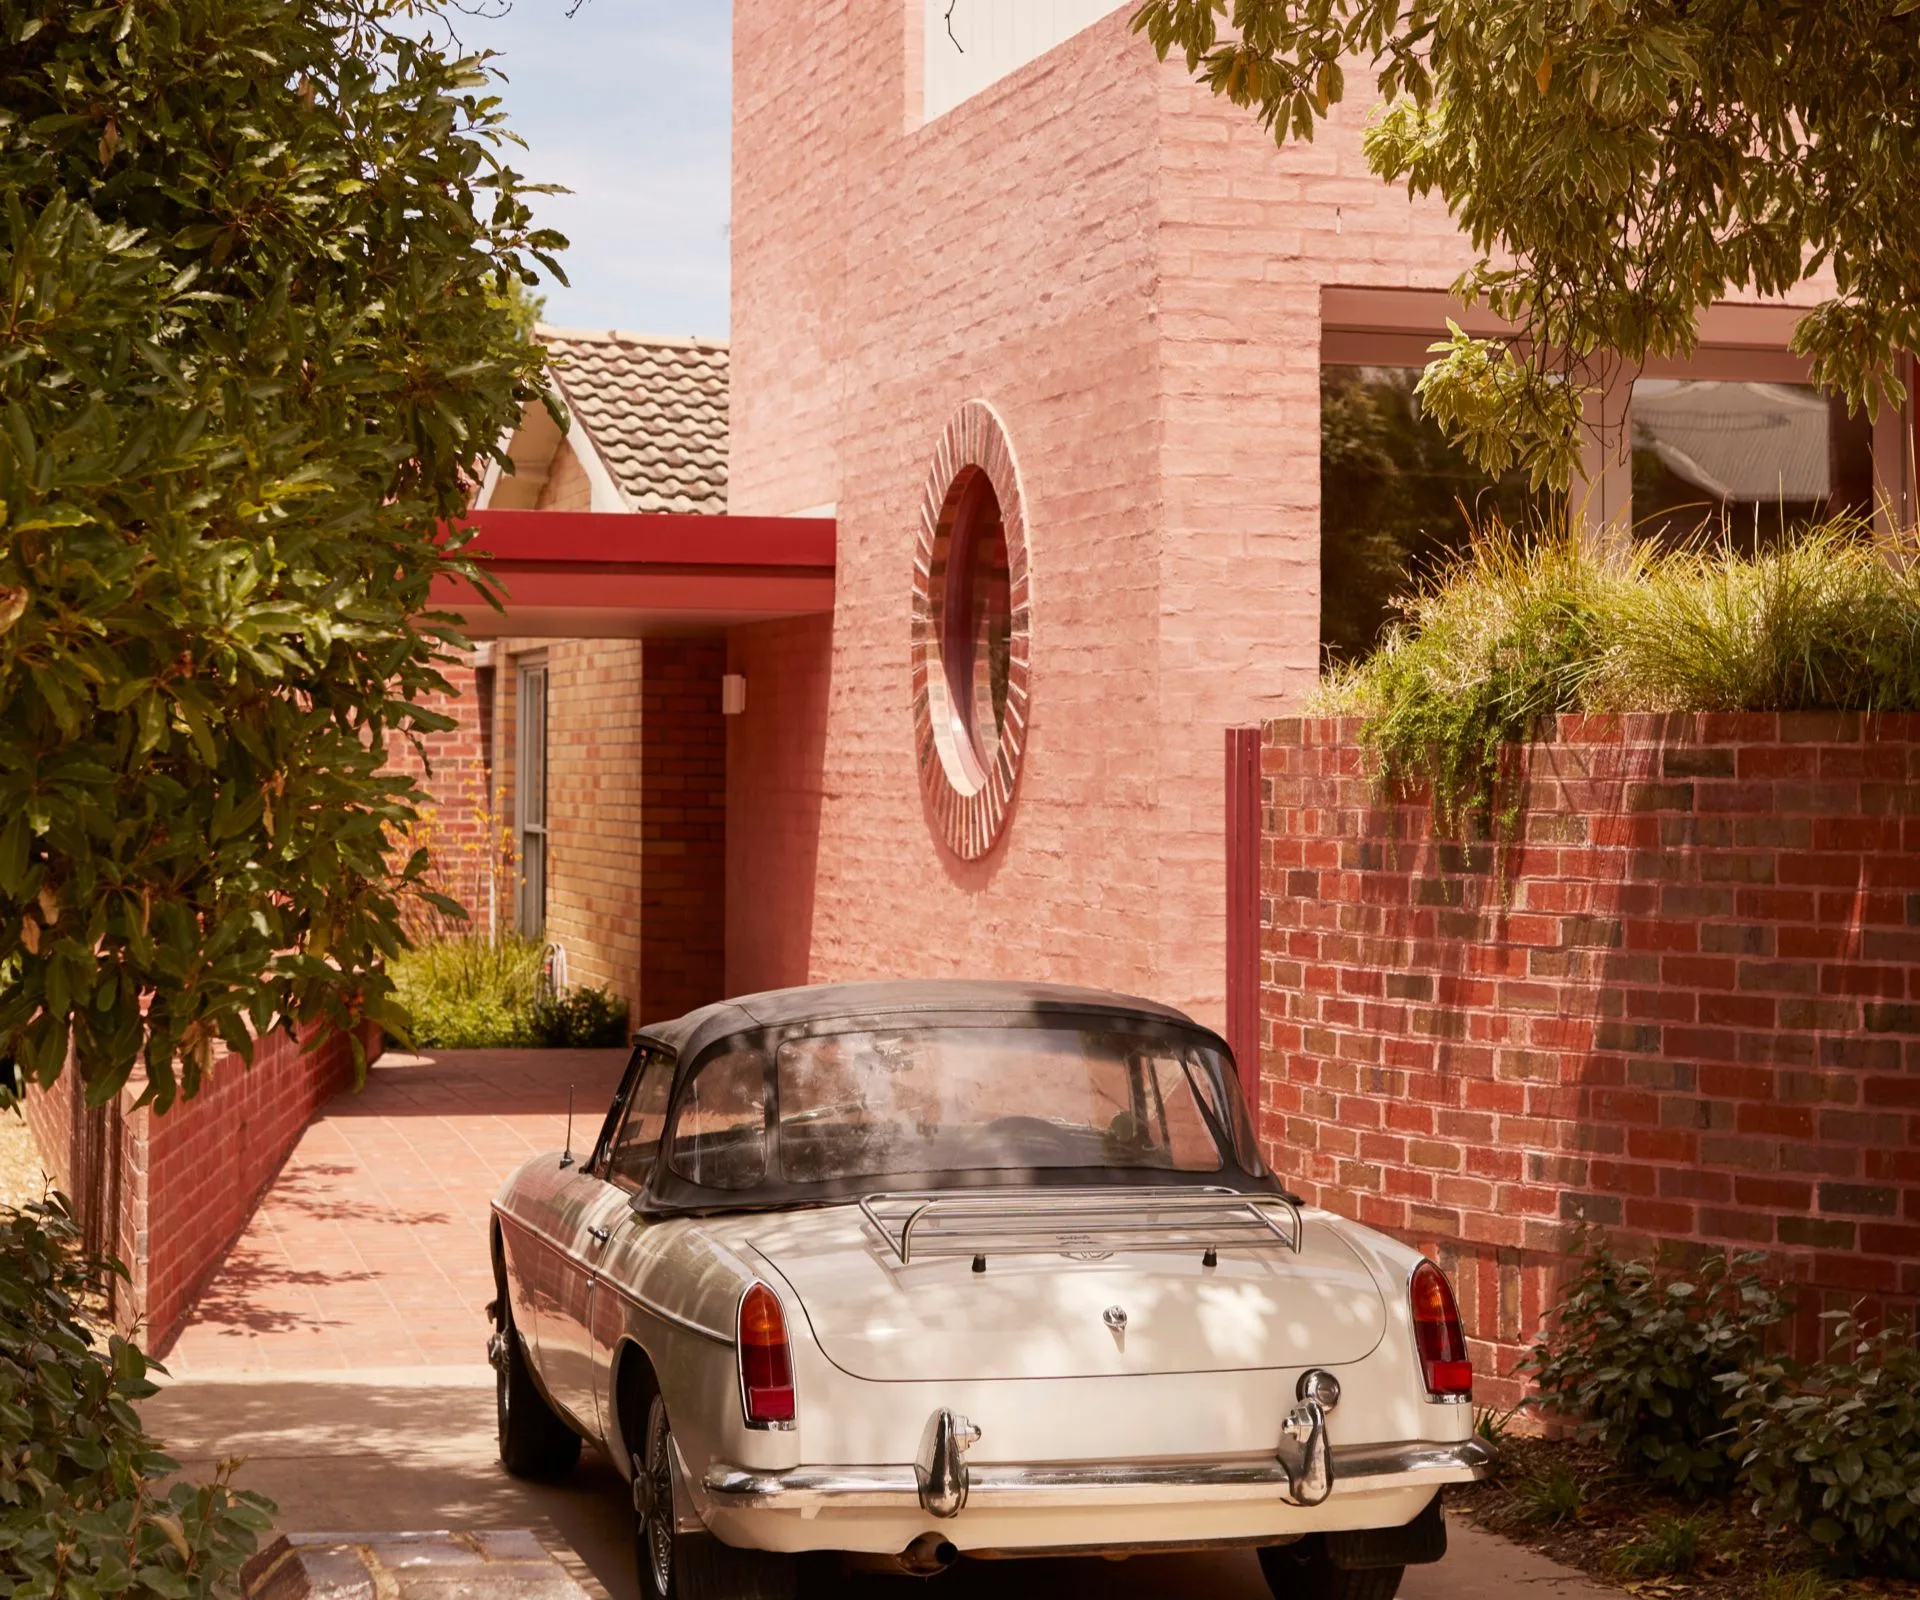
(1131, 273)
(1684, 1007)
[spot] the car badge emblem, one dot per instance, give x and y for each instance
(1115, 1318)
(1081, 1247)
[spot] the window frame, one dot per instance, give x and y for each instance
(650, 1060)
(531, 706)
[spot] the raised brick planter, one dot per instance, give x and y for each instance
(1683, 1005)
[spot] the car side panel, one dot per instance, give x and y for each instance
(525, 1209)
(674, 1290)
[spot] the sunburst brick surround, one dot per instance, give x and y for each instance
(968, 814)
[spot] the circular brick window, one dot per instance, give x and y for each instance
(971, 628)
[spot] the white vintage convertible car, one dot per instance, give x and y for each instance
(916, 1271)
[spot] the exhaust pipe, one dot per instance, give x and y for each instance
(928, 1556)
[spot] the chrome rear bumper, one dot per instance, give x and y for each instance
(1357, 1469)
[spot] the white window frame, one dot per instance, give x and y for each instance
(1394, 327)
(531, 838)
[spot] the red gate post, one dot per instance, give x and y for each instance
(1243, 900)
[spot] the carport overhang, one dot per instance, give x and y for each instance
(632, 575)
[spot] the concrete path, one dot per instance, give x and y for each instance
(340, 1350)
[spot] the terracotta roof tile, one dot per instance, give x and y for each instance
(656, 409)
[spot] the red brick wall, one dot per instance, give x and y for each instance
(460, 825)
(1684, 1005)
(188, 1179)
(636, 809)
(208, 1160)
(596, 741)
(683, 810)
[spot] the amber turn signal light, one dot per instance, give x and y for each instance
(766, 1365)
(1438, 1336)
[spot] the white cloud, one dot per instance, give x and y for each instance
(628, 104)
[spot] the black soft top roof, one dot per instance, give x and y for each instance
(858, 1007)
(687, 1036)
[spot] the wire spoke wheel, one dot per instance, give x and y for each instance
(653, 1504)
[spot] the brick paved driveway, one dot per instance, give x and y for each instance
(370, 1248)
(339, 1350)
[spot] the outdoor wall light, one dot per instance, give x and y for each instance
(733, 694)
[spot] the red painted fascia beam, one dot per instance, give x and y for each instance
(586, 541)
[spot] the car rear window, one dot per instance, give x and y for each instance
(956, 1099)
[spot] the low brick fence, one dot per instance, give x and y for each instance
(176, 1189)
(1682, 1004)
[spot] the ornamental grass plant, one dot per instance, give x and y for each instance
(1529, 623)
(467, 992)
(470, 993)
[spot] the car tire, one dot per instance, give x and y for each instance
(1304, 1571)
(692, 1566)
(534, 1442)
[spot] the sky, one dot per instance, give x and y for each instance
(628, 104)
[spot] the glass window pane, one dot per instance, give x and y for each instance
(1746, 462)
(1395, 501)
(720, 1135)
(928, 1100)
(637, 1145)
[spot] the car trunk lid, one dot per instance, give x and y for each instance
(1055, 1315)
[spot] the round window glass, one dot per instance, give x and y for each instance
(973, 599)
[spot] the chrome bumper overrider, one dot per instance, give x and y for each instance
(1357, 1469)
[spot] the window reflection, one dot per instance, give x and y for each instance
(1395, 499)
(1746, 462)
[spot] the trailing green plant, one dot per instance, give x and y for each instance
(81, 1511)
(1500, 639)
(1669, 1548)
(1637, 1357)
(1833, 1450)
(1528, 624)
(580, 1019)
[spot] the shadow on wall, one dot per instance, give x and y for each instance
(1681, 1006)
(776, 775)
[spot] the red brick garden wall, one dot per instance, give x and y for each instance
(1683, 1005)
(183, 1183)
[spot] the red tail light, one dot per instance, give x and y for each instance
(766, 1367)
(1437, 1336)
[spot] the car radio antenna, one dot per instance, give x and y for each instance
(566, 1155)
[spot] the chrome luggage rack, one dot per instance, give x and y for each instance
(1090, 1223)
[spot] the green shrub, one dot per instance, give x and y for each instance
(470, 993)
(1834, 1450)
(1637, 1358)
(80, 1515)
(580, 1019)
(1524, 626)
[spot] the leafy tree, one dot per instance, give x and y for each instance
(1620, 167)
(256, 340)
